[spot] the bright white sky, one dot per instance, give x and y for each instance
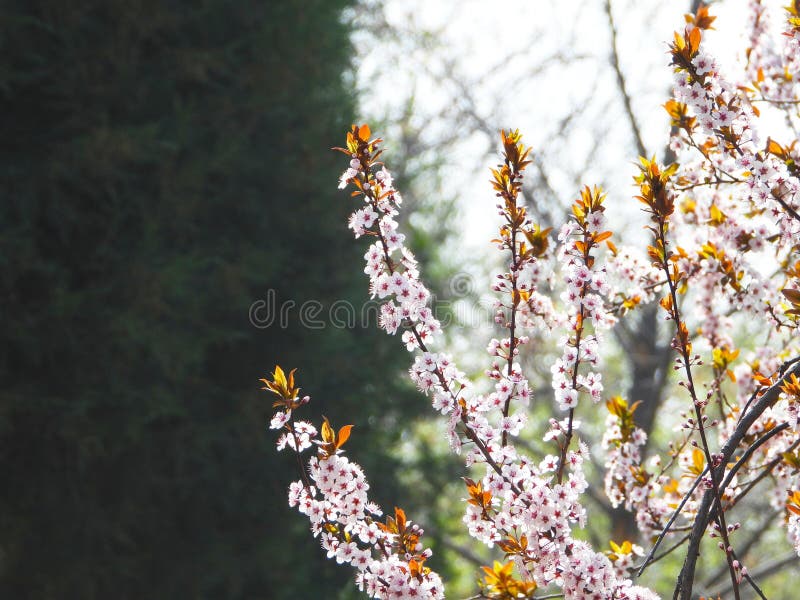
(497, 50)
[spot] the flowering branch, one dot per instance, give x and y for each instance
(389, 556)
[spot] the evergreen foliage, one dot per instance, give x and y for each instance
(161, 171)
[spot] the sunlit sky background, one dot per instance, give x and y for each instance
(529, 65)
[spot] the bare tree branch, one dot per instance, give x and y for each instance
(759, 532)
(626, 99)
(762, 572)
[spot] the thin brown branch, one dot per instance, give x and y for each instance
(669, 550)
(626, 99)
(765, 471)
(762, 572)
(759, 532)
(649, 558)
(682, 345)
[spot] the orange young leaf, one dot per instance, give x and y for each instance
(326, 431)
(698, 462)
(344, 435)
(601, 237)
(694, 39)
(400, 518)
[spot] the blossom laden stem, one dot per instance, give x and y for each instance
(509, 487)
(656, 195)
(389, 557)
(584, 306)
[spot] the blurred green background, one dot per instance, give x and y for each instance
(164, 165)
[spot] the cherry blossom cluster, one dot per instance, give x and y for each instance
(720, 115)
(389, 558)
(536, 311)
(627, 482)
(720, 244)
(771, 63)
(530, 518)
(394, 275)
(390, 266)
(738, 228)
(593, 577)
(528, 510)
(632, 278)
(520, 305)
(586, 288)
(336, 503)
(721, 240)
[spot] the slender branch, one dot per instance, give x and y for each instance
(751, 450)
(766, 470)
(761, 529)
(568, 437)
(626, 100)
(747, 577)
(649, 558)
(683, 347)
(763, 572)
(512, 198)
(655, 559)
